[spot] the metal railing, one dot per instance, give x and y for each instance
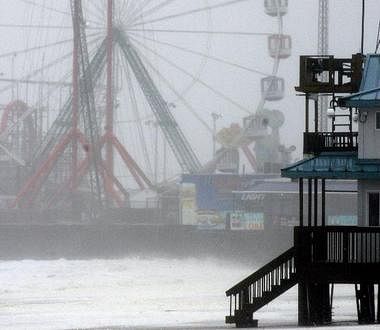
(339, 245)
(316, 143)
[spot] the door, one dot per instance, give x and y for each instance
(373, 208)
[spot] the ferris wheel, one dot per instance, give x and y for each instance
(150, 75)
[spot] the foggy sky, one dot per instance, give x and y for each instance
(300, 23)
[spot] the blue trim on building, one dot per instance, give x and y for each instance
(334, 166)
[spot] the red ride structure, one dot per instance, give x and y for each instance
(86, 147)
(78, 153)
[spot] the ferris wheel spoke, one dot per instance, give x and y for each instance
(130, 7)
(216, 59)
(31, 26)
(189, 12)
(42, 68)
(53, 88)
(137, 9)
(123, 11)
(97, 16)
(201, 82)
(175, 92)
(136, 114)
(152, 10)
(33, 3)
(97, 11)
(37, 82)
(39, 70)
(27, 50)
(43, 6)
(190, 32)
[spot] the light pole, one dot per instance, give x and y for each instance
(13, 75)
(215, 117)
(155, 125)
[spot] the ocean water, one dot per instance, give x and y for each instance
(136, 293)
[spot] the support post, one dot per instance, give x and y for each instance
(378, 302)
(307, 113)
(316, 116)
(309, 201)
(300, 193)
(323, 202)
(303, 311)
(315, 202)
(314, 307)
(365, 299)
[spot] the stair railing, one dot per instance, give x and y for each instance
(254, 286)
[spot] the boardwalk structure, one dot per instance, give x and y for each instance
(325, 255)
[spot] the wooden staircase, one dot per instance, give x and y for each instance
(260, 288)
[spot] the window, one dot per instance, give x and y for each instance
(373, 208)
(377, 120)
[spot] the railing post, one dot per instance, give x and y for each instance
(245, 297)
(346, 247)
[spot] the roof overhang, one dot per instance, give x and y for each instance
(365, 99)
(369, 92)
(334, 166)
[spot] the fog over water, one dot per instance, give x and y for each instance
(129, 292)
(137, 293)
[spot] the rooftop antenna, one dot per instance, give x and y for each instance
(363, 21)
(323, 49)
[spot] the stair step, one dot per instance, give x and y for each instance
(230, 319)
(244, 319)
(269, 294)
(252, 307)
(288, 281)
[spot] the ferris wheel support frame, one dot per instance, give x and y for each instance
(111, 141)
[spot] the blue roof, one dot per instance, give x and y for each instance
(292, 187)
(369, 92)
(334, 166)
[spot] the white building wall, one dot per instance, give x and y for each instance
(369, 136)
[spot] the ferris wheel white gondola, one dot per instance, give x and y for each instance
(280, 46)
(276, 7)
(273, 88)
(256, 126)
